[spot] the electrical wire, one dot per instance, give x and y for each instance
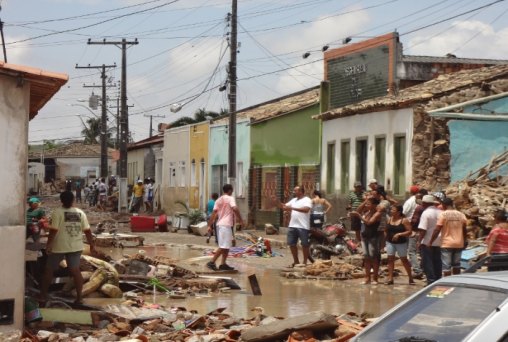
(91, 25)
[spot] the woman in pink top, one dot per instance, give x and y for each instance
(498, 237)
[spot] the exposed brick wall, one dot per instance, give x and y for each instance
(430, 149)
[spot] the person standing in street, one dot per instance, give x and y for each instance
(320, 207)
(209, 210)
(35, 218)
(78, 191)
(299, 224)
(65, 241)
(411, 207)
(430, 252)
(370, 218)
(451, 224)
(355, 199)
(137, 200)
(497, 241)
(225, 209)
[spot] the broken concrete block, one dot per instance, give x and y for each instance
(315, 321)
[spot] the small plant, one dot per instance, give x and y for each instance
(194, 215)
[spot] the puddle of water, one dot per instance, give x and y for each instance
(281, 296)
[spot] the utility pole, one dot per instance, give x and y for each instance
(232, 94)
(104, 117)
(151, 117)
(124, 119)
(3, 40)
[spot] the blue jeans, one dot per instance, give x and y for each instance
(431, 263)
(413, 256)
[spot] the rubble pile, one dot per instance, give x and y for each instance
(163, 274)
(483, 192)
(324, 269)
(124, 323)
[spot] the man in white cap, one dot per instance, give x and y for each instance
(373, 184)
(430, 250)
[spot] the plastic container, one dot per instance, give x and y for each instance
(142, 224)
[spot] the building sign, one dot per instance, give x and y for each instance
(363, 70)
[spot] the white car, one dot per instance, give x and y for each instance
(467, 307)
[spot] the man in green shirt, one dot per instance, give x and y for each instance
(35, 219)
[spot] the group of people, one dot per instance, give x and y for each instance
(96, 194)
(142, 194)
(425, 223)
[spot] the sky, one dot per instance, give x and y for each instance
(182, 51)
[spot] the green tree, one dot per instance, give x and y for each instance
(92, 132)
(200, 115)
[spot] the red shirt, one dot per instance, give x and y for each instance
(501, 244)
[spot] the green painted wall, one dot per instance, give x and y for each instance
(292, 139)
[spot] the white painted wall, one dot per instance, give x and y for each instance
(35, 176)
(176, 150)
(14, 107)
(387, 123)
(80, 166)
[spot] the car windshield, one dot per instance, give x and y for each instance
(442, 313)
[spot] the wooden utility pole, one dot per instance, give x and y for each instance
(124, 118)
(104, 117)
(151, 118)
(124, 121)
(232, 94)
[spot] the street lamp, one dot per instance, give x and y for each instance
(86, 107)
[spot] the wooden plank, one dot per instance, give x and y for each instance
(254, 285)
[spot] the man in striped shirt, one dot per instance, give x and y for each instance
(356, 197)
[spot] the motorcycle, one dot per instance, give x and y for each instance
(331, 240)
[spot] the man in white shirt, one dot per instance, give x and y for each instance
(408, 210)
(299, 224)
(430, 252)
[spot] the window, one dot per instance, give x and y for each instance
(172, 174)
(239, 180)
(380, 159)
(345, 152)
(361, 161)
(330, 168)
(182, 174)
(219, 177)
(399, 164)
(193, 173)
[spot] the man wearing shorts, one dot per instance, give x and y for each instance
(451, 224)
(355, 199)
(225, 209)
(299, 224)
(65, 241)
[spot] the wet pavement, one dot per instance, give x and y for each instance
(281, 296)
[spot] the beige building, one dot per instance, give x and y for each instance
(23, 92)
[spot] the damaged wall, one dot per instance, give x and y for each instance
(431, 143)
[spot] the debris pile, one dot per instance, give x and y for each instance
(128, 323)
(324, 269)
(483, 192)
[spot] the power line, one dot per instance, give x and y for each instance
(92, 25)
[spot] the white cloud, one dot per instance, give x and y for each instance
(473, 39)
